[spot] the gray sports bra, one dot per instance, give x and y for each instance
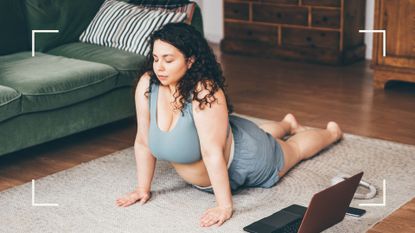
(180, 144)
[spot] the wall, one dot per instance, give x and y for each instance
(212, 11)
(370, 14)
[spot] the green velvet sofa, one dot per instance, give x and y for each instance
(68, 86)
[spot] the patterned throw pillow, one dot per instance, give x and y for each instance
(160, 3)
(127, 27)
(169, 5)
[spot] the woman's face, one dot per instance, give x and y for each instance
(169, 64)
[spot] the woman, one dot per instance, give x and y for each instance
(183, 117)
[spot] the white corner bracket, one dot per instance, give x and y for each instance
(33, 198)
(383, 34)
(384, 198)
(39, 31)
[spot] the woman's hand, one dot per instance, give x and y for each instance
(217, 215)
(137, 195)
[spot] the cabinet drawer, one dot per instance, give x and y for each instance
(290, 2)
(234, 10)
(280, 14)
(310, 38)
(325, 18)
(331, 3)
(251, 32)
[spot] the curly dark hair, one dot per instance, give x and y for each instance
(205, 69)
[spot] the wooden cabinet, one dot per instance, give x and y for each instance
(397, 18)
(324, 31)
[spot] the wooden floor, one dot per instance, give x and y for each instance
(262, 88)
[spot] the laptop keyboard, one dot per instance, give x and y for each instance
(292, 228)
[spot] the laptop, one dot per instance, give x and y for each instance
(326, 209)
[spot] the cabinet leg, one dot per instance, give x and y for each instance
(379, 84)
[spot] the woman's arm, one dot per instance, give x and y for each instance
(145, 161)
(212, 125)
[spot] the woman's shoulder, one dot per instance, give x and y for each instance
(143, 85)
(145, 79)
(205, 88)
(208, 94)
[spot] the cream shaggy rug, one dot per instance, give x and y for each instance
(86, 193)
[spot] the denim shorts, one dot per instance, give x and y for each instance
(257, 158)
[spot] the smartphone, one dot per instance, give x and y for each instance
(355, 212)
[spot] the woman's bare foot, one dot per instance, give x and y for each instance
(295, 126)
(335, 130)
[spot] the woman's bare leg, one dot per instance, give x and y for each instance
(286, 126)
(306, 144)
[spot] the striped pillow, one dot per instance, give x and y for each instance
(127, 27)
(160, 3)
(189, 8)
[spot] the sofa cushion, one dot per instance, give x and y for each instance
(48, 82)
(13, 30)
(197, 20)
(9, 103)
(125, 62)
(126, 26)
(70, 17)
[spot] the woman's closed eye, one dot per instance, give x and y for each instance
(167, 61)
